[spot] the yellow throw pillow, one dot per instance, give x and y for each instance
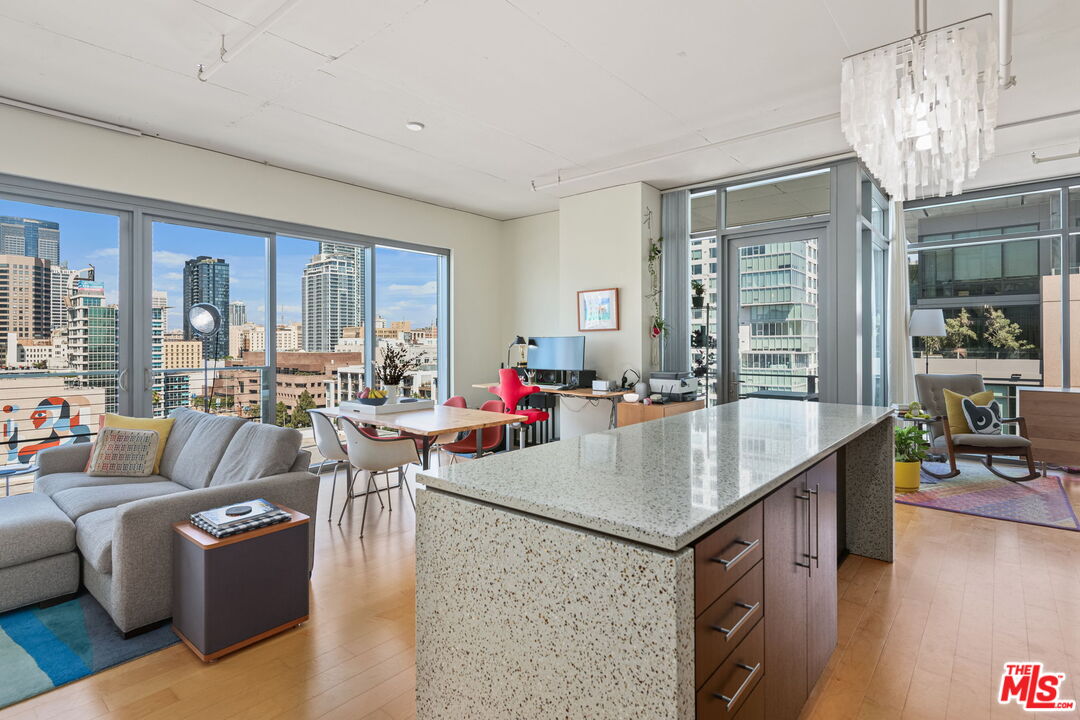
(958, 424)
(161, 425)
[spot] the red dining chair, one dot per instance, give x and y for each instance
(511, 390)
(490, 438)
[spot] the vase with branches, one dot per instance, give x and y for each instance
(396, 363)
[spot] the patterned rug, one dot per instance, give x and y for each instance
(41, 649)
(977, 491)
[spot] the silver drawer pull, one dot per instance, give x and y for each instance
(728, 564)
(745, 683)
(750, 610)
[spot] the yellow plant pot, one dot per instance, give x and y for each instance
(906, 475)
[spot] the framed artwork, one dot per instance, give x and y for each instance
(598, 310)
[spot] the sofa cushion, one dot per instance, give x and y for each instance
(257, 451)
(94, 536)
(120, 451)
(161, 426)
(77, 502)
(31, 528)
(196, 443)
(987, 441)
(57, 482)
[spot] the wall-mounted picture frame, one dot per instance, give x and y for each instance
(598, 310)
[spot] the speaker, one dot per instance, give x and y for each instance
(580, 378)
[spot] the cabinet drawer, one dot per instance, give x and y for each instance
(726, 622)
(754, 707)
(727, 690)
(725, 555)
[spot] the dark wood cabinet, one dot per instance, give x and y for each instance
(765, 596)
(800, 587)
(821, 585)
(787, 556)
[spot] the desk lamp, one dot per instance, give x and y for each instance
(518, 342)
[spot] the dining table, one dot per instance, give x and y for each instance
(429, 423)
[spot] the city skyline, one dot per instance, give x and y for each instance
(406, 287)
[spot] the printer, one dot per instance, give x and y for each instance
(674, 386)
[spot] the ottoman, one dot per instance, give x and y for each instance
(37, 551)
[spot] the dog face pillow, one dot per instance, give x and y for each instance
(983, 419)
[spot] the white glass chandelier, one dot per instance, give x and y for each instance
(920, 112)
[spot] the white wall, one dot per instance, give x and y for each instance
(596, 240)
(61, 151)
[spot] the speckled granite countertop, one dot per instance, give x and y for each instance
(668, 482)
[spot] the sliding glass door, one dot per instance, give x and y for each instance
(772, 338)
(64, 324)
(225, 372)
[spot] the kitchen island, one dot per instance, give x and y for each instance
(679, 568)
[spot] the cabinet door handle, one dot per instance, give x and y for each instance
(729, 632)
(728, 564)
(745, 683)
(808, 554)
(816, 492)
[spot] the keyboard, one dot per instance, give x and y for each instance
(550, 387)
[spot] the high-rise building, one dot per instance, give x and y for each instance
(237, 313)
(160, 299)
(170, 389)
(778, 316)
(328, 293)
(206, 280)
(359, 260)
(33, 238)
(25, 294)
(63, 284)
(92, 338)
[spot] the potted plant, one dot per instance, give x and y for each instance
(697, 300)
(393, 368)
(911, 447)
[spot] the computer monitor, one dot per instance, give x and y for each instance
(558, 353)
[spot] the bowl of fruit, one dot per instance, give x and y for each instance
(371, 397)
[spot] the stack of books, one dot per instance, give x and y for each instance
(239, 517)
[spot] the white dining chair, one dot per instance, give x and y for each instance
(374, 455)
(328, 442)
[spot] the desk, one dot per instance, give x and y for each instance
(430, 423)
(582, 393)
(1053, 423)
(633, 413)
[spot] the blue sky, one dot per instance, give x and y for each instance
(405, 288)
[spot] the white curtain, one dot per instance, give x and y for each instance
(901, 363)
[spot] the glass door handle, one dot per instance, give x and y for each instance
(121, 380)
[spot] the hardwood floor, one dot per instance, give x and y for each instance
(924, 637)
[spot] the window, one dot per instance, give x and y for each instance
(703, 212)
(796, 196)
(407, 315)
(1002, 298)
(60, 306)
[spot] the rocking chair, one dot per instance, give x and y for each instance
(930, 389)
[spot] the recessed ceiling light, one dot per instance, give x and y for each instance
(414, 125)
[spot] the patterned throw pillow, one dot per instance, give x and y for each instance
(983, 419)
(124, 453)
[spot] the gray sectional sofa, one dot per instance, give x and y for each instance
(121, 528)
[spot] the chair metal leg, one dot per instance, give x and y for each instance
(363, 519)
(405, 484)
(333, 489)
(349, 492)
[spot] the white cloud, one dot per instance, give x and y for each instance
(167, 258)
(428, 288)
(106, 252)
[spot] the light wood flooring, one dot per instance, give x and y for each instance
(924, 637)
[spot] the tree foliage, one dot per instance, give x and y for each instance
(1002, 333)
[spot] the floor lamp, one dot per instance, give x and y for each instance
(205, 320)
(927, 323)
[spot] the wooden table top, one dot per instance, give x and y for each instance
(580, 392)
(431, 421)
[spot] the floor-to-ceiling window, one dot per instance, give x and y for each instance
(993, 262)
(61, 326)
(96, 288)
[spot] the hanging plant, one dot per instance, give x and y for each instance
(656, 250)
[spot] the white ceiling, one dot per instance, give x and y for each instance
(511, 91)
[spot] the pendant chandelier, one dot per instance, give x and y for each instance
(920, 112)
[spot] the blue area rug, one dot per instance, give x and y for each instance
(41, 649)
